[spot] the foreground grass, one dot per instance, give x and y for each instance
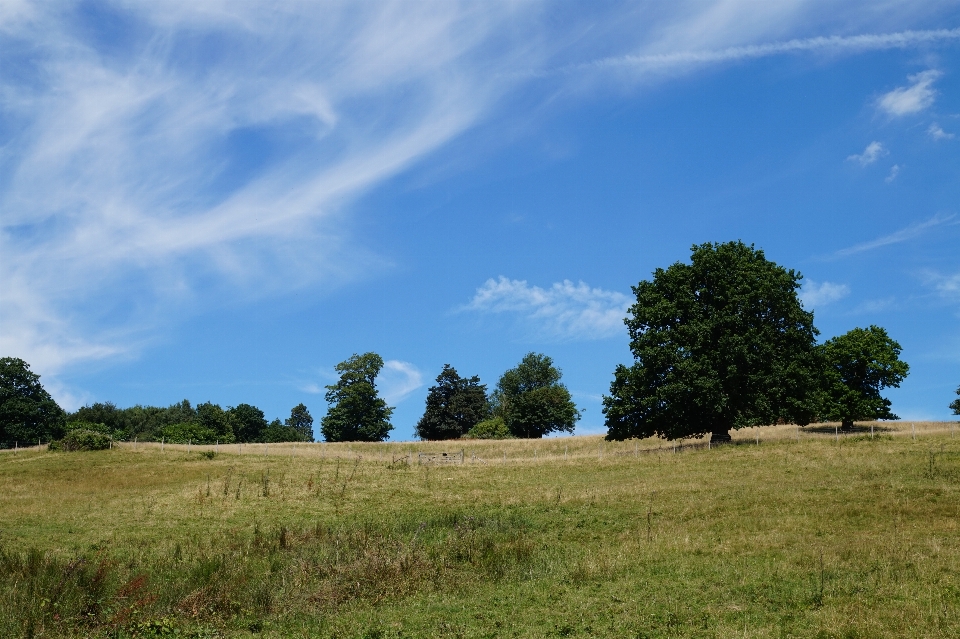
(823, 538)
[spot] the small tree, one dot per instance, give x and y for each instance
(531, 400)
(955, 404)
(356, 413)
(454, 406)
(858, 365)
(301, 421)
(718, 344)
(27, 411)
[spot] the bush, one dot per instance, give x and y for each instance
(189, 432)
(81, 439)
(494, 428)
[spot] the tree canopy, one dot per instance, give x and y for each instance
(357, 412)
(955, 404)
(27, 411)
(531, 400)
(720, 343)
(857, 366)
(454, 406)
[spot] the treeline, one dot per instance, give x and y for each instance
(29, 414)
(720, 343)
(205, 423)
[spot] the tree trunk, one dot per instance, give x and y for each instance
(846, 425)
(720, 436)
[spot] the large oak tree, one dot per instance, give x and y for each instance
(720, 343)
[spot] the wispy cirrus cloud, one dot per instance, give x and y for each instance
(908, 233)
(162, 159)
(563, 311)
(398, 379)
(871, 154)
(911, 99)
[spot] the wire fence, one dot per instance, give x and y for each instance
(467, 451)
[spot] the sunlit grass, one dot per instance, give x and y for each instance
(835, 535)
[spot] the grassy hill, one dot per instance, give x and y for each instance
(829, 536)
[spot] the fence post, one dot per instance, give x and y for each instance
(871, 431)
(189, 441)
(836, 431)
(564, 452)
(913, 427)
(798, 433)
(216, 446)
(758, 437)
(161, 444)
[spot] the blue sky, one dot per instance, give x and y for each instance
(219, 201)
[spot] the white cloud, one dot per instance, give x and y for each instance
(938, 133)
(565, 310)
(904, 234)
(398, 379)
(947, 286)
(815, 295)
(894, 172)
(871, 154)
(912, 99)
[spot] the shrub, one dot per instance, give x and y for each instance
(81, 439)
(188, 432)
(494, 428)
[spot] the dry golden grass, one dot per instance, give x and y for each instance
(849, 536)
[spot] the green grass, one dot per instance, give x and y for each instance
(571, 537)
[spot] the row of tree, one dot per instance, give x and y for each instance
(528, 401)
(28, 413)
(721, 343)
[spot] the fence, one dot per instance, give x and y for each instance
(551, 450)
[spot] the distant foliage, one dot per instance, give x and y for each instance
(80, 440)
(188, 433)
(718, 344)
(206, 423)
(531, 400)
(857, 366)
(955, 404)
(27, 411)
(357, 412)
(493, 428)
(454, 406)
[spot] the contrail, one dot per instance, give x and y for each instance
(660, 61)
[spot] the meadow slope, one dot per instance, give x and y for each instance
(849, 536)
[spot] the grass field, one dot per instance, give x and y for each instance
(830, 536)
